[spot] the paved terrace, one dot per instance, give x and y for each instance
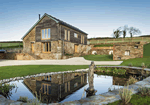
(70, 61)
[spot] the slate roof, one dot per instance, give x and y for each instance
(57, 21)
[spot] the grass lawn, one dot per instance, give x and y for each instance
(137, 99)
(7, 72)
(99, 57)
(10, 45)
(135, 62)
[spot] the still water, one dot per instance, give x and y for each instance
(62, 87)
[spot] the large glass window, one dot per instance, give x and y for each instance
(46, 33)
(43, 34)
(47, 47)
(49, 33)
(49, 89)
(43, 88)
(76, 35)
(65, 34)
(68, 35)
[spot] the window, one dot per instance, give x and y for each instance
(46, 89)
(119, 58)
(76, 35)
(46, 33)
(65, 87)
(127, 52)
(68, 86)
(50, 78)
(135, 46)
(65, 34)
(49, 89)
(82, 39)
(47, 47)
(76, 84)
(68, 35)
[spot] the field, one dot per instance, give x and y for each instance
(10, 45)
(134, 39)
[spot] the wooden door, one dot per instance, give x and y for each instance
(75, 48)
(32, 45)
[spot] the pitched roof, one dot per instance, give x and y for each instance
(57, 21)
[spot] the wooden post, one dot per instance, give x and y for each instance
(142, 39)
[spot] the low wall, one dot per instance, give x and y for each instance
(50, 55)
(101, 50)
(19, 56)
(2, 55)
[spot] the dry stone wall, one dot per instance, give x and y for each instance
(134, 52)
(2, 55)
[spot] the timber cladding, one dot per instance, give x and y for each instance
(72, 38)
(47, 23)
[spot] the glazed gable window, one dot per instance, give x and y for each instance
(65, 34)
(82, 39)
(46, 33)
(68, 35)
(75, 35)
(46, 47)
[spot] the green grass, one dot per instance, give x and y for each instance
(104, 45)
(94, 41)
(99, 57)
(10, 45)
(24, 70)
(136, 99)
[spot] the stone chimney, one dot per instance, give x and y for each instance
(39, 16)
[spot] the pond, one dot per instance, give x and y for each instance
(63, 87)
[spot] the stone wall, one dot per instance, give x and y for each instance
(2, 55)
(19, 56)
(27, 41)
(101, 50)
(134, 52)
(70, 49)
(11, 56)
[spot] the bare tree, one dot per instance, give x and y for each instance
(124, 31)
(133, 31)
(116, 33)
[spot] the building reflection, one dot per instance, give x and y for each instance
(55, 88)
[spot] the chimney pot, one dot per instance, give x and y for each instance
(39, 16)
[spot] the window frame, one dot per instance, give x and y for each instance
(44, 34)
(82, 39)
(45, 85)
(68, 35)
(127, 52)
(65, 35)
(49, 47)
(75, 34)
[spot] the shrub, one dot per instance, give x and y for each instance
(5, 89)
(125, 95)
(23, 99)
(132, 80)
(144, 91)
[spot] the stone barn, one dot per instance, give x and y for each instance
(128, 51)
(51, 38)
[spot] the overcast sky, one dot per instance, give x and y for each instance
(98, 18)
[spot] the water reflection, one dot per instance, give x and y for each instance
(64, 87)
(56, 87)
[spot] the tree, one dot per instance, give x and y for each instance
(116, 33)
(133, 31)
(124, 31)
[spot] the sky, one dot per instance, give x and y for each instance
(98, 18)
